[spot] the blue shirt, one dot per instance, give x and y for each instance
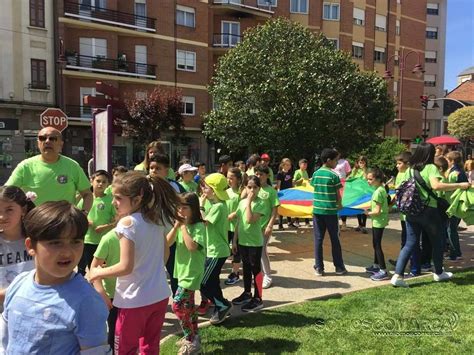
(57, 319)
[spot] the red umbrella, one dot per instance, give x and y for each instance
(448, 140)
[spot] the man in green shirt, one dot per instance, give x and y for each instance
(52, 176)
(326, 202)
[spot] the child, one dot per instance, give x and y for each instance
(469, 169)
(225, 163)
(201, 172)
(144, 205)
(327, 201)
(53, 310)
(248, 238)
(236, 183)
(116, 172)
(108, 253)
(101, 218)
(360, 171)
(217, 244)
(455, 175)
(284, 181)
(265, 161)
(270, 198)
(187, 172)
(241, 165)
(190, 239)
(342, 169)
(299, 177)
(379, 214)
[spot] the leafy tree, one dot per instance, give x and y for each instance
(294, 96)
(146, 119)
(461, 123)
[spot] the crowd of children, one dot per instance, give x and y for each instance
(145, 222)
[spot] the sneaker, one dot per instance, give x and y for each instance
(280, 228)
(203, 307)
(372, 269)
(220, 315)
(411, 275)
(392, 262)
(380, 276)
(453, 259)
(267, 282)
(341, 271)
(364, 230)
(292, 225)
(319, 272)
(426, 267)
(398, 281)
(461, 229)
(190, 347)
(443, 276)
(358, 229)
(182, 340)
(242, 299)
(343, 228)
(307, 224)
(254, 305)
(232, 279)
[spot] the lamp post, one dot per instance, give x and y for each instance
(435, 105)
(417, 70)
(424, 104)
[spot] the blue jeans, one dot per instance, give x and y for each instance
(321, 223)
(454, 247)
(415, 265)
(430, 223)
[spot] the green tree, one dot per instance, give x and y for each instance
(461, 123)
(286, 89)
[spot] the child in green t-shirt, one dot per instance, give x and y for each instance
(190, 239)
(248, 238)
(187, 172)
(108, 253)
(360, 172)
(379, 214)
(299, 177)
(116, 172)
(101, 218)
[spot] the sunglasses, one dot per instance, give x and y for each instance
(51, 138)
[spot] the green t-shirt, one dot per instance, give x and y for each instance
(380, 197)
(401, 177)
(51, 182)
(250, 172)
(189, 186)
(109, 250)
(271, 176)
(171, 173)
(101, 212)
(250, 234)
(189, 265)
(232, 204)
(357, 173)
(217, 228)
(326, 184)
(429, 171)
(300, 174)
(269, 196)
(452, 178)
(108, 190)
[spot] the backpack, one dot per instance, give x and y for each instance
(409, 200)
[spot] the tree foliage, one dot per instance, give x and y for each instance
(461, 123)
(147, 118)
(286, 89)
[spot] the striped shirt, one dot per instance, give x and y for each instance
(326, 184)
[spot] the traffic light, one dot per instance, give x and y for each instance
(424, 101)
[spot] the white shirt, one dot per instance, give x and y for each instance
(147, 283)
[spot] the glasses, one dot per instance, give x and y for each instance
(51, 138)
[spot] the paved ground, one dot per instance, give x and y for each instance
(292, 258)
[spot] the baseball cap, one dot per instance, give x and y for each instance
(186, 167)
(218, 183)
(265, 156)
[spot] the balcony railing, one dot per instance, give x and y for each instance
(225, 40)
(243, 7)
(104, 65)
(110, 17)
(78, 111)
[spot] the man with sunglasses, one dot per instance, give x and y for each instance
(51, 175)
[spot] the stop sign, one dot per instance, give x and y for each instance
(54, 117)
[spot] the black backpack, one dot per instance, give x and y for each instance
(409, 200)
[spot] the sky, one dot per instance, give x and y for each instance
(459, 40)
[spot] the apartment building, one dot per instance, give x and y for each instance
(26, 77)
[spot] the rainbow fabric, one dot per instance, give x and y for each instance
(298, 201)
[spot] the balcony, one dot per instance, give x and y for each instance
(100, 64)
(225, 40)
(240, 8)
(109, 17)
(77, 111)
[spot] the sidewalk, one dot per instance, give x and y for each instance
(292, 259)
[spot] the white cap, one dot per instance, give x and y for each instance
(186, 167)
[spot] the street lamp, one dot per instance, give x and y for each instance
(417, 70)
(424, 104)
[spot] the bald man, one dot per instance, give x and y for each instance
(52, 176)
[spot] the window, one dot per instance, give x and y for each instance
(140, 12)
(334, 42)
(432, 32)
(432, 9)
(230, 33)
(430, 80)
(359, 16)
(397, 27)
(379, 55)
(396, 59)
(430, 57)
(189, 102)
(380, 23)
(37, 13)
(272, 3)
(299, 6)
(395, 88)
(38, 74)
(185, 16)
(185, 60)
(357, 50)
(331, 11)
